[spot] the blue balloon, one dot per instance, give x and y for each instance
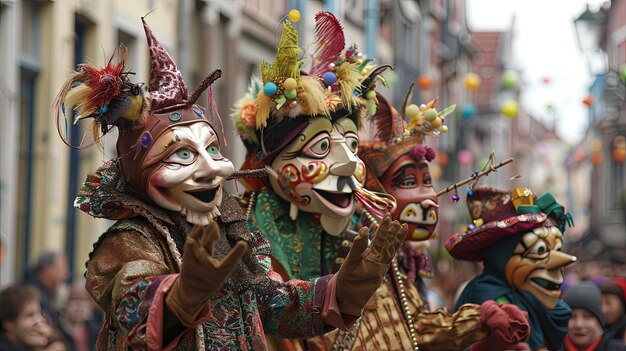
(468, 111)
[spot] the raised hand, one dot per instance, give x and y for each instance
(364, 268)
(201, 274)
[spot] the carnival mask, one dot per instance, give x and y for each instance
(317, 172)
(409, 181)
(188, 171)
(537, 264)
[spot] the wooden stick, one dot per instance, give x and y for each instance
(249, 173)
(483, 173)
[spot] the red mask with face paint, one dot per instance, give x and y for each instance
(408, 180)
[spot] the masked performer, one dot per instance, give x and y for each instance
(180, 268)
(310, 149)
(397, 163)
(519, 240)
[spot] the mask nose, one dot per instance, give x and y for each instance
(347, 160)
(207, 170)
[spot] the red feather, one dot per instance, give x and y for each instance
(105, 83)
(329, 41)
(383, 119)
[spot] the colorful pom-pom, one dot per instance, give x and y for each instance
(269, 89)
(290, 84)
(294, 15)
(370, 94)
(103, 109)
(329, 78)
(291, 94)
(444, 129)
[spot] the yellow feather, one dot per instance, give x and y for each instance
(313, 97)
(348, 78)
(134, 111)
(264, 106)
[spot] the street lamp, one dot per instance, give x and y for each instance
(590, 26)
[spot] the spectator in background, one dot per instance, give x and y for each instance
(77, 320)
(614, 307)
(585, 328)
(47, 275)
(22, 326)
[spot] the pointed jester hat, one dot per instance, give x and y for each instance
(108, 96)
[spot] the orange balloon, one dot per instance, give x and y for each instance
(424, 82)
(619, 155)
(596, 158)
(471, 81)
(442, 158)
(579, 155)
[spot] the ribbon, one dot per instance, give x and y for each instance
(547, 204)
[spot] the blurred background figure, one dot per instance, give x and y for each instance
(47, 275)
(79, 324)
(614, 308)
(585, 330)
(22, 326)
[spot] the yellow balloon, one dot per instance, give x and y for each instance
(294, 15)
(471, 81)
(509, 109)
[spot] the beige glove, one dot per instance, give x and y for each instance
(364, 268)
(201, 274)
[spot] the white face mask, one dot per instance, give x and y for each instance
(317, 172)
(191, 172)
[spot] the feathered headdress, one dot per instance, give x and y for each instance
(107, 96)
(397, 135)
(341, 82)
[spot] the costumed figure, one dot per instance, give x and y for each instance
(303, 129)
(316, 177)
(180, 268)
(397, 318)
(519, 240)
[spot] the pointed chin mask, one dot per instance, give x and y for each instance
(410, 184)
(537, 265)
(317, 172)
(186, 171)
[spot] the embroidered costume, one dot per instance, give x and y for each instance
(180, 268)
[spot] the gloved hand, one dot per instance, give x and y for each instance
(507, 324)
(201, 274)
(364, 268)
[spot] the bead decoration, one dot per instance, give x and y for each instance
(174, 116)
(145, 140)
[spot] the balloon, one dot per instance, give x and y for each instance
(509, 109)
(468, 111)
(465, 157)
(509, 79)
(471, 81)
(619, 155)
(596, 158)
(424, 82)
(596, 145)
(588, 100)
(442, 158)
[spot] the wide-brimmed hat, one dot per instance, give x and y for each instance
(500, 214)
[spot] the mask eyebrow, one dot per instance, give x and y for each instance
(175, 139)
(422, 165)
(403, 169)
